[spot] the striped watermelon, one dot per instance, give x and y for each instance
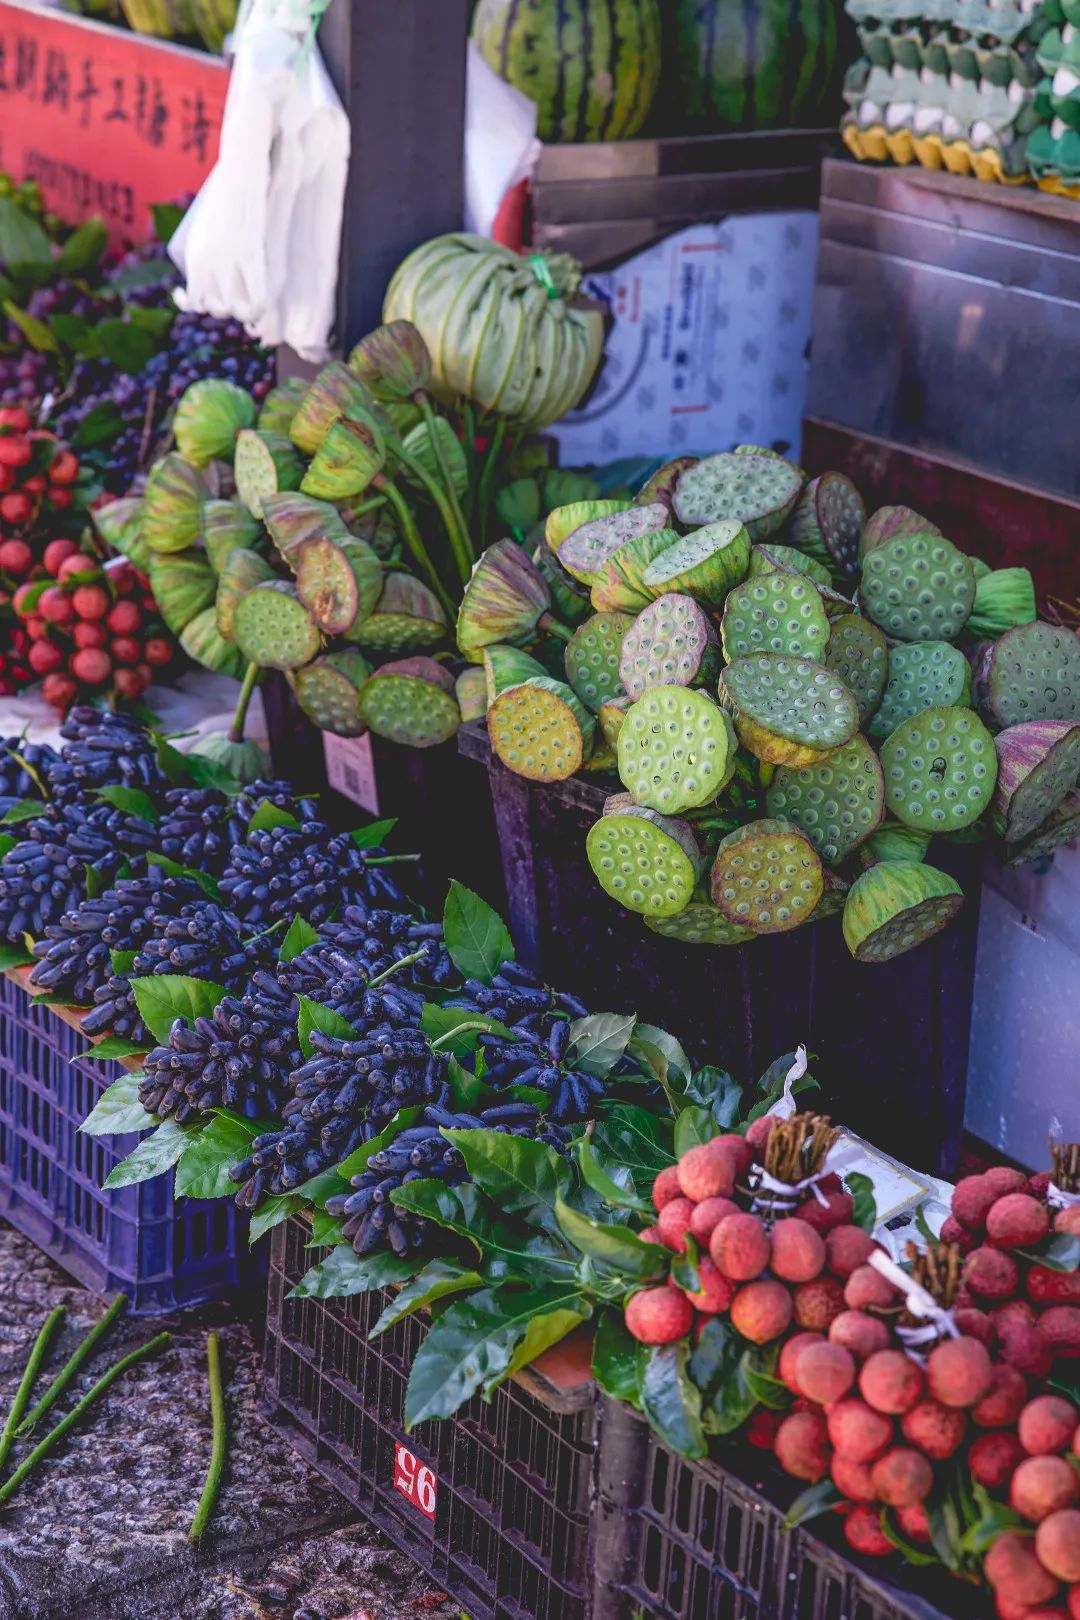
(749, 64)
(591, 66)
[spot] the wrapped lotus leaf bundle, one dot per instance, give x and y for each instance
(209, 415)
(183, 584)
(171, 514)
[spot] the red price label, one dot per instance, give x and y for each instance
(415, 1480)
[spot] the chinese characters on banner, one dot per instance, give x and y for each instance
(108, 122)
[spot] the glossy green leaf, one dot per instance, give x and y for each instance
(271, 1212)
(441, 1022)
(375, 835)
(506, 1247)
(716, 1090)
(114, 1047)
(523, 1176)
(163, 997)
(693, 1127)
(812, 1503)
(14, 956)
(615, 1187)
(268, 816)
(599, 1041)
(122, 962)
(475, 935)
(83, 248)
(612, 1245)
(618, 1360)
(118, 1110)
(313, 1016)
(344, 1273)
(154, 1155)
(25, 810)
(299, 936)
(358, 1158)
(203, 1171)
(671, 1401)
(172, 868)
(652, 1047)
(635, 1137)
(861, 1189)
(438, 1279)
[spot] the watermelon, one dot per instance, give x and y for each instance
(749, 64)
(591, 66)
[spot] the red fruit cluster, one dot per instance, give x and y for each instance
(36, 475)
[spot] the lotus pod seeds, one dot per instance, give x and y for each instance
(895, 906)
(917, 587)
(940, 769)
(795, 700)
(830, 518)
(1061, 827)
(1038, 766)
(338, 583)
(676, 749)
(777, 612)
(265, 464)
(409, 709)
(1033, 673)
(647, 862)
(239, 574)
(672, 643)
(408, 617)
(509, 666)
(584, 553)
(888, 522)
(619, 586)
(592, 658)
(922, 675)
(705, 564)
(561, 523)
(837, 803)
(771, 557)
(767, 877)
(611, 717)
(859, 654)
(327, 691)
(541, 730)
(272, 627)
(700, 923)
(758, 489)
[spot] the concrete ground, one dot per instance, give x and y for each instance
(99, 1530)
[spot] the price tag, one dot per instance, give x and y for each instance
(350, 769)
(415, 1481)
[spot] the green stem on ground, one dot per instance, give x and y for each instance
(447, 477)
(417, 549)
(208, 1499)
(460, 544)
(487, 476)
(26, 1382)
(30, 1462)
(67, 1372)
(395, 967)
(243, 702)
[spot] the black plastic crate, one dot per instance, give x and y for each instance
(134, 1240)
(891, 1039)
(680, 1540)
(494, 1505)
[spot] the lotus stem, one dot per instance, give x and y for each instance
(208, 1499)
(553, 627)
(487, 476)
(239, 719)
(390, 860)
(26, 1382)
(417, 549)
(460, 544)
(468, 434)
(43, 1447)
(375, 503)
(67, 1372)
(396, 967)
(460, 1029)
(447, 477)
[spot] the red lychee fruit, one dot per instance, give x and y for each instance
(1019, 1341)
(852, 1479)
(1057, 1544)
(1014, 1571)
(761, 1428)
(857, 1431)
(837, 1210)
(16, 557)
(798, 1252)
(651, 1234)
(867, 1289)
(974, 1324)
(802, 1446)
(891, 1382)
(707, 1171)
(1046, 1424)
(993, 1457)
(1003, 1402)
(90, 601)
(761, 1311)
(708, 1215)
(863, 1532)
(1005, 1178)
(859, 1333)
(959, 1372)
(818, 1304)
(1059, 1326)
(826, 1372)
(55, 606)
(847, 1247)
(56, 552)
(1039, 1184)
(1068, 1220)
(1073, 1603)
(953, 1232)
(158, 651)
(90, 665)
(716, 1292)
(938, 1430)
(59, 690)
(971, 1201)
(125, 650)
(1048, 1287)
(740, 1247)
(85, 634)
(673, 1223)
(913, 1522)
(1043, 1485)
(659, 1315)
(758, 1133)
(790, 1351)
(740, 1149)
(991, 1274)
(45, 656)
(76, 565)
(666, 1186)
(902, 1476)
(124, 618)
(1017, 1221)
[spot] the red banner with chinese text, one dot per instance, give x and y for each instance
(105, 120)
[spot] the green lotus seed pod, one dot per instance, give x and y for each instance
(338, 584)
(775, 613)
(676, 749)
(837, 803)
(585, 551)
(940, 769)
(1032, 673)
(170, 518)
(541, 730)
(828, 522)
(509, 666)
(894, 842)
(664, 482)
(351, 455)
(504, 601)
(293, 520)
(118, 523)
(922, 675)
(470, 689)
(202, 643)
(1004, 598)
(888, 522)
(649, 863)
(403, 703)
(917, 587)
(407, 618)
(243, 571)
(569, 600)
(272, 627)
(245, 761)
(209, 415)
(226, 527)
(592, 658)
(895, 906)
(1059, 828)
(281, 405)
(393, 360)
(183, 584)
(1038, 767)
(671, 643)
(420, 447)
(704, 564)
(859, 654)
(790, 710)
(566, 520)
(266, 464)
(771, 557)
(767, 877)
(335, 392)
(756, 488)
(619, 585)
(700, 923)
(328, 691)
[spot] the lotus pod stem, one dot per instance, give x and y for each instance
(1038, 767)
(413, 542)
(461, 528)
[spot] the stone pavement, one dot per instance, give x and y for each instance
(98, 1531)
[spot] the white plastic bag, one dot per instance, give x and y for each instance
(500, 142)
(262, 239)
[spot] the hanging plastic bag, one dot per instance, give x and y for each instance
(500, 143)
(261, 242)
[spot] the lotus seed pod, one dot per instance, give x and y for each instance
(1004, 598)
(119, 524)
(408, 618)
(541, 730)
(504, 601)
(584, 552)
(470, 689)
(940, 769)
(771, 557)
(704, 564)
(170, 518)
(245, 761)
(888, 522)
(922, 675)
(281, 405)
(508, 666)
(226, 527)
(1059, 828)
(266, 464)
(700, 923)
(592, 658)
(1038, 766)
(647, 862)
(338, 584)
(183, 584)
(352, 454)
(393, 360)
(411, 702)
(419, 446)
(917, 587)
(202, 643)
(836, 605)
(335, 392)
(837, 803)
(894, 842)
(566, 520)
(676, 749)
(790, 710)
(671, 643)
(776, 613)
(611, 717)
(1032, 673)
(209, 415)
(569, 600)
(758, 489)
(895, 906)
(271, 627)
(293, 520)
(664, 482)
(859, 654)
(620, 586)
(767, 877)
(602, 760)
(243, 571)
(766, 450)
(328, 691)
(828, 521)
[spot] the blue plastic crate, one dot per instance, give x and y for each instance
(135, 1240)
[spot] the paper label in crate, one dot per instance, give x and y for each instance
(415, 1481)
(350, 769)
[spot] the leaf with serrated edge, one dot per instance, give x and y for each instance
(313, 1016)
(636, 1138)
(118, 1110)
(522, 1176)
(203, 1171)
(438, 1279)
(475, 935)
(299, 936)
(154, 1155)
(163, 997)
(344, 1273)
